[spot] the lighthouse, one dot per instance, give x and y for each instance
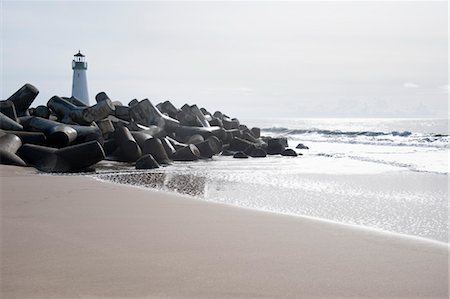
(79, 82)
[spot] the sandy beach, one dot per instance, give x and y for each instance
(75, 237)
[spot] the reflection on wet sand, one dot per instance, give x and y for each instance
(180, 183)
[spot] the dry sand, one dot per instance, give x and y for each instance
(74, 237)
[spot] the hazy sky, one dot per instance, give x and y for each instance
(293, 59)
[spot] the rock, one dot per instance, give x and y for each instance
(240, 155)
(301, 146)
(146, 162)
(289, 152)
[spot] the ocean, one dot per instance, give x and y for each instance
(385, 174)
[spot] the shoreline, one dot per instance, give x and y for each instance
(81, 237)
(312, 218)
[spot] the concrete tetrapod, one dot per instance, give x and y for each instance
(168, 108)
(187, 153)
(184, 132)
(155, 147)
(145, 113)
(57, 134)
(9, 144)
(23, 98)
(210, 147)
(8, 109)
(69, 159)
(146, 162)
(7, 123)
(42, 111)
(28, 137)
(127, 148)
(37, 155)
(70, 113)
(170, 150)
(140, 138)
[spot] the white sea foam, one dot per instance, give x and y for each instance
(391, 187)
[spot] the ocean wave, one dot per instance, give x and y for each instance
(395, 138)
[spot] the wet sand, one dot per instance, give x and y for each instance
(72, 237)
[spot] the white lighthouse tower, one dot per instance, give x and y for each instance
(79, 82)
